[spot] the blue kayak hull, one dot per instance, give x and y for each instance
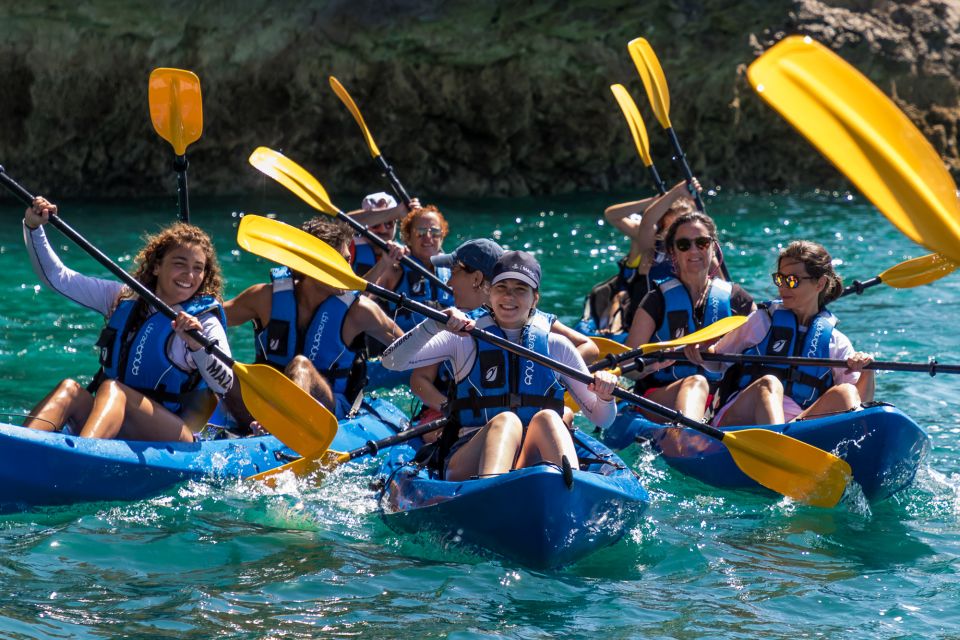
(529, 515)
(882, 445)
(38, 468)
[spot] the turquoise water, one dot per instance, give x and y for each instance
(226, 560)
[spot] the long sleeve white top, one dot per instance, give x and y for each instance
(101, 296)
(429, 343)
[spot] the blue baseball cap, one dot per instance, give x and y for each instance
(517, 265)
(480, 255)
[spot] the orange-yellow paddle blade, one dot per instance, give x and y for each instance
(651, 73)
(299, 250)
(293, 177)
(718, 329)
(918, 271)
(786, 465)
(285, 410)
(863, 133)
(637, 129)
(352, 107)
(176, 107)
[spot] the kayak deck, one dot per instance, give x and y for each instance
(41, 468)
(528, 515)
(882, 445)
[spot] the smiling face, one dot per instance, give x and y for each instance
(695, 261)
(180, 273)
(426, 236)
(469, 290)
(512, 301)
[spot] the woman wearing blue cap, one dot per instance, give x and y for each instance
(471, 267)
(506, 410)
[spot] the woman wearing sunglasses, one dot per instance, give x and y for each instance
(422, 231)
(506, 409)
(798, 324)
(680, 305)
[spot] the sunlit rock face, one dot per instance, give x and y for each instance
(464, 98)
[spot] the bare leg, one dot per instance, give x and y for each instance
(760, 403)
(69, 400)
(119, 410)
(689, 396)
(491, 451)
(306, 376)
(547, 440)
(836, 399)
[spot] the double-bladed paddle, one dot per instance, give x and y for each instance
(776, 461)
(283, 408)
(385, 166)
(301, 182)
(932, 368)
(866, 136)
(639, 132)
(176, 109)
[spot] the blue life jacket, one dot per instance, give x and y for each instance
(363, 257)
(803, 384)
(415, 286)
(500, 381)
(678, 321)
(322, 343)
(133, 350)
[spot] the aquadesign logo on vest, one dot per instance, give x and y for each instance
(274, 344)
(491, 374)
(528, 373)
(138, 350)
(714, 309)
(318, 337)
(417, 287)
(779, 345)
(679, 333)
(815, 340)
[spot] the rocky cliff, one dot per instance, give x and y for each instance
(464, 97)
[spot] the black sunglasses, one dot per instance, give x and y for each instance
(684, 244)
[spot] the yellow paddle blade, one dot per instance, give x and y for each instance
(299, 250)
(865, 135)
(918, 271)
(710, 332)
(303, 467)
(285, 410)
(648, 66)
(788, 466)
(609, 347)
(176, 107)
(293, 177)
(352, 107)
(634, 121)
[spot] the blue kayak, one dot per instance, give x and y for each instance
(379, 377)
(588, 327)
(41, 468)
(528, 515)
(882, 445)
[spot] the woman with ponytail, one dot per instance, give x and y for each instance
(798, 324)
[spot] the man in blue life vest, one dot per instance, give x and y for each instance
(312, 332)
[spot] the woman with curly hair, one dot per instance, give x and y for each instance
(798, 324)
(153, 376)
(423, 231)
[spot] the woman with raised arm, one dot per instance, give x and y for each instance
(155, 381)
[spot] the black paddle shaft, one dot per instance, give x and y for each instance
(379, 242)
(374, 446)
(858, 287)
(180, 165)
(670, 414)
(145, 293)
(392, 178)
(932, 367)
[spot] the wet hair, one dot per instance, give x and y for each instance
(686, 218)
(334, 232)
(681, 206)
(177, 235)
(817, 262)
(406, 225)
